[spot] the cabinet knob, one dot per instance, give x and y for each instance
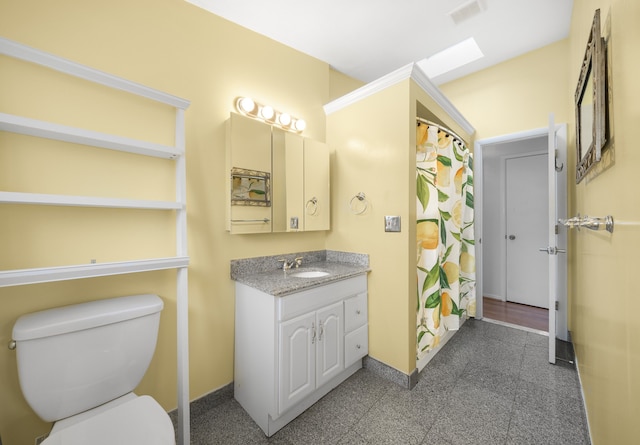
(358, 311)
(357, 346)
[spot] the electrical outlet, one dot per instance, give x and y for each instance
(40, 439)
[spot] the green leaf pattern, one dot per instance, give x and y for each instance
(445, 239)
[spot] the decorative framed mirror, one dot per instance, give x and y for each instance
(590, 97)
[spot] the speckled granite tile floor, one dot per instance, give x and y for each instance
(489, 384)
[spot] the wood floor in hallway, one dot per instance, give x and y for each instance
(514, 313)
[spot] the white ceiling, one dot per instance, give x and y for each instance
(367, 39)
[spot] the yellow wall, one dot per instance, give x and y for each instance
(369, 155)
(517, 95)
(341, 84)
(173, 46)
(373, 152)
(604, 325)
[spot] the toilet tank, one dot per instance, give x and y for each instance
(74, 358)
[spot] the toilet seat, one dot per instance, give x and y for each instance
(136, 421)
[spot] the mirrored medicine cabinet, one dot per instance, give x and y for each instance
(278, 181)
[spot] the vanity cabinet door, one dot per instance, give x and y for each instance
(330, 344)
(297, 360)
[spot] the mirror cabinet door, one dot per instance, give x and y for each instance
(249, 175)
(294, 194)
(287, 154)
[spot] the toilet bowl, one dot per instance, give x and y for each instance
(139, 420)
(78, 366)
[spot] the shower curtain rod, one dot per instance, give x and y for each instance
(445, 129)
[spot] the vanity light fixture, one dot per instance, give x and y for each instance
(245, 105)
(266, 113)
(300, 125)
(284, 120)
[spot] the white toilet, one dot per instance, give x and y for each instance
(78, 366)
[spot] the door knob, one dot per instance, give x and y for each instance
(512, 237)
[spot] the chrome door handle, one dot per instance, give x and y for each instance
(552, 250)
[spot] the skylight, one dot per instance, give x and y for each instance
(451, 58)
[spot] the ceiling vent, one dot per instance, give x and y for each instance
(466, 10)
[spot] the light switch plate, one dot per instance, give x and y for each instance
(293, 223)
(391, 223)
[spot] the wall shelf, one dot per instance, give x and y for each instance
(33, 55)
(86, 201)
(20, 277)
(50, 130)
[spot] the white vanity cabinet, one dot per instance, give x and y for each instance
(311, 353)
(292, 350)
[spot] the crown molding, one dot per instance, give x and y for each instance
(410, 71)
(369, 89)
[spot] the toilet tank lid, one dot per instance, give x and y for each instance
(62, 320)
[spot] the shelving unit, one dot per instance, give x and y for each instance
(49, 130)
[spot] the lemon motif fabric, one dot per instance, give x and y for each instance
(445, 241)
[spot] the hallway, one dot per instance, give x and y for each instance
(514, 313)
(489, 384)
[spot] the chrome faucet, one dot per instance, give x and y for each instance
(286, 264)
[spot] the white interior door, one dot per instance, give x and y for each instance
(559, 322)
(526, 224)
(552, 249)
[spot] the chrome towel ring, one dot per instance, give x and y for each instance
(359, 200)
(312, 206)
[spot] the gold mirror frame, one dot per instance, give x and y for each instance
(590, 103)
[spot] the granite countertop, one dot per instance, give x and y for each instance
(263, 274)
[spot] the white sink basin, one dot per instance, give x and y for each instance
(310, 274)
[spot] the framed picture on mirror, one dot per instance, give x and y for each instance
(590, 103)
(250, 187)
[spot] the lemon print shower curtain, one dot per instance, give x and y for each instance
(446, 254)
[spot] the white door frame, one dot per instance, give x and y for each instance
(561, 319)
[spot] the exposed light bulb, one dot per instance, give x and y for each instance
(284, 119)
(266, 112)
(300, 125)
(246, 105)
